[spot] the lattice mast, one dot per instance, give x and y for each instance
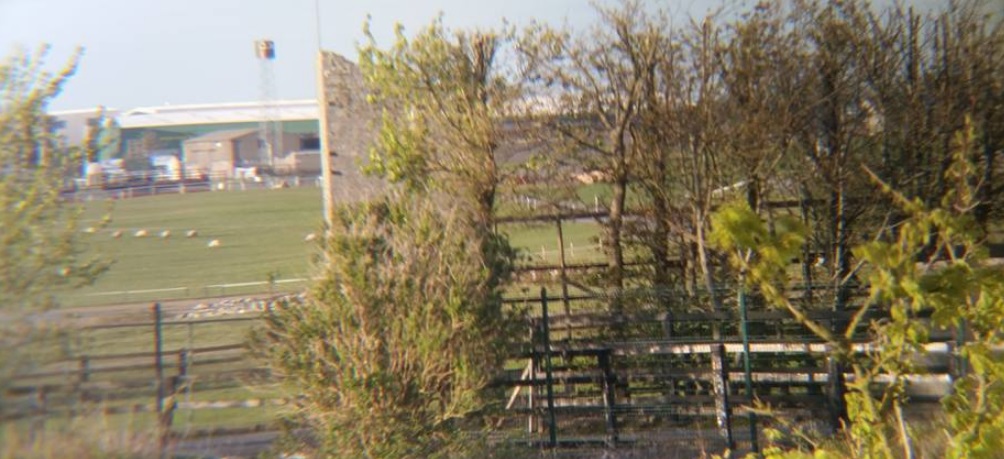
(269, 130)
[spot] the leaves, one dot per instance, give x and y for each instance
(443, 97)
(396, 343)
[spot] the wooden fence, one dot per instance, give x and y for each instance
(584, 377)
(157, 385)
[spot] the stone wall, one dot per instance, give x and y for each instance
(351, 128)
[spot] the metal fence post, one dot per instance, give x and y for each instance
(958, 362)
(552, 426)
(534, 364)
(720, 381)
(835, 396)
(744, 329)
(609, 394)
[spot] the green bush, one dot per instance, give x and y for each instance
(395, 345)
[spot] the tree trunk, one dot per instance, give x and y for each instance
(615, 257)
(660, 249)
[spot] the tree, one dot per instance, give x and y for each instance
(444, 100)
(103, 138)
(954, 282)
(394, 347)
(601, 77)
(40, 247)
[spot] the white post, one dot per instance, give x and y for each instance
(325, 131)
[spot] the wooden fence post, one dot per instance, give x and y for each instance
(564, 281)
(835, 394)
(41, 409)
(158, 365)
(609, 394)
(83, 376)
(178, 383)
(720, 382)
(667, 325)
(667, 333)
(747, 370)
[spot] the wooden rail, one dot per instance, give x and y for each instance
(599, 381)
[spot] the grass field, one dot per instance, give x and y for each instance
(261, 234)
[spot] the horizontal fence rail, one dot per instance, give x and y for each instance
(585, 376)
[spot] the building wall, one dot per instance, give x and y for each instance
(299, 163)
(175, 136)
(351, 129)
(291, 142)
(74, 125)
(248, 153)
(215, 158)
(218, 158)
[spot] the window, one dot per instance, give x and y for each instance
(310, 143)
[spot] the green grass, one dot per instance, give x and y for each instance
(539, 242)
(261, 233)
(174, 336)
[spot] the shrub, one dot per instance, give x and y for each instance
(395, 345)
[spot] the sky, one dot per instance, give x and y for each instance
(155, 52)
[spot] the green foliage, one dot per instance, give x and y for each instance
(738, 230)
(443, 98)
(395, 345)
(39, 247)
(37, 227)
(103, 138)
(933, 262)
(761, 254)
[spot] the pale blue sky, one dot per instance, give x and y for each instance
(151, 52)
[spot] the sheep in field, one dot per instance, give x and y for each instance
(140, 233)
(117, 234)
(165, 234)
(191, 233)
(310, 237)
(213, 243)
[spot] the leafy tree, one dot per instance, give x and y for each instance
(597, 81)
(103, 139)
(444, 99)
(393, 348)
(40, 247)
(954, 281)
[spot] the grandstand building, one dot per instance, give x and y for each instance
(160, 130)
